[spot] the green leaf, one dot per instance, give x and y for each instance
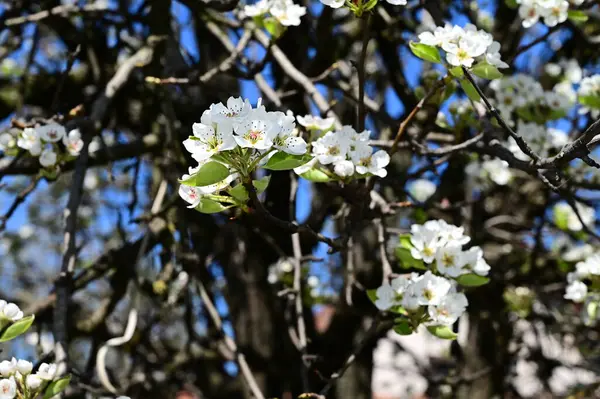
(512, 4)
(469, 90)
(316, 175)
(472, 280)
(239, 192)
(561, 218)
(443, 332)
(403, 327)
(261, 184)
(407, 261)
(405, 241)
(590, 101)
(57, 387)
(372, 294)
(457, 72)
(17, 328)
(284, 161)
(577, 16)
(273, 26)
(486, 71)
(426, 52)
(209, 173)
(207, 205)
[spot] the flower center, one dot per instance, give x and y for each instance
(448, 260)
(333, 150)
(428, 294)
(428, 251)
(462, 54)
(254, 136)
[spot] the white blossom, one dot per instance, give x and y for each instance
(368, 162)
(287, 13)
(48, 158)
(8, 367)
(330, 148)
(315, 122)
(343, 168)
(51, 132)
(449, 309)
(46, 371)
(576, 291)
(33, 381)
(430, 289)
(73, 142)
(10, 311)
(24, 367)
(422, 189)
(386, 296)
(8, 388)
(30, 140)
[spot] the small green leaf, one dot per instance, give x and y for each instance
(239, 192)
(372, 294)
(561, 218)
(261, 184)
(207, 205)
(316, 175)
(274, 27)
(426, 52)
(443, 332)
(209, 173)
(590, 101)
(472, 280)
(486, 71)
(57, 387)
(457, 72)
(284, 161)
(407, 261)
(469, 90)
(17, 328)
(405, 241)
(512, 4)
(403, 327)
(577, 16)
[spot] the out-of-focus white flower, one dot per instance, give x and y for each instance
(576, 291)
(73, 142)
(48, 158)
(51, 132)
(30, 140)
(8, 367)
(422, 189)
(8, 388)
(24, 367)
(33, 381)
(10, 311)
(315, 122)
(287, 13)
(46, 371)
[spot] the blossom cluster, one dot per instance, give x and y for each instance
(541, 140)
(43, 142)
(482, 172)
(553, 12)
(284, 11)
(18, 379)
(565, 216)
(583, 287)
(524, 95)
(232, 141)
(589, 95)
(465, 46)
(348, 152)
(240, 138)
(432, 298)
